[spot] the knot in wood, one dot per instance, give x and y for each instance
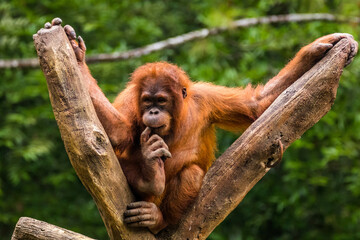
(277, 151)
(99, 141)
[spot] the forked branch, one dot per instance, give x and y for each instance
(242, 165)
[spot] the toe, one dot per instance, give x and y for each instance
(56, 21)
(70, 32)
(81, 43)
(47, 25)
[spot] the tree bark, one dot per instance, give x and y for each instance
(85, 140)
(32, 229)
(229, 179)
(248, 159)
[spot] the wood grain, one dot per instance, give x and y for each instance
(85, 140)
(32, 229)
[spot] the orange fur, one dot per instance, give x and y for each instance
(191, 139)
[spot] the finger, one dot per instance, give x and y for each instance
(154, 138)
(74, 44)
(70, 32)
(47, 25)
(353, 52)
(324, 46)
(139, 218)
(137, 211)
(331, 38)
(81, 44)
(339, 36)
(145, 135)
(142, 224)
(348, 62)
(162, 152)
(159, 144)
(319, 49)
(139, 204)
(354, 49)
(56, 21)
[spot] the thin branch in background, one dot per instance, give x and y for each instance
(194, 35)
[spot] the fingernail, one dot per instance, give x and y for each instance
(73, 34)
(56, 21)
(47, 25)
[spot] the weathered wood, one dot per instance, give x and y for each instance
(32, 229)
(86, 142)
(234, 173)
(231, 176)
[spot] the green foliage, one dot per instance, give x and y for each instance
(313, 194)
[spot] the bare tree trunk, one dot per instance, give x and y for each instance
(229, 179)
(85, 140)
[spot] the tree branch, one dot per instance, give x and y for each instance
(86, 142)
(233, 174)
(32, 229)
(191, 36)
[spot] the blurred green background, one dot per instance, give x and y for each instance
(313, 194)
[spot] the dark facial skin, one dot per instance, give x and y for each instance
(156, 107)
